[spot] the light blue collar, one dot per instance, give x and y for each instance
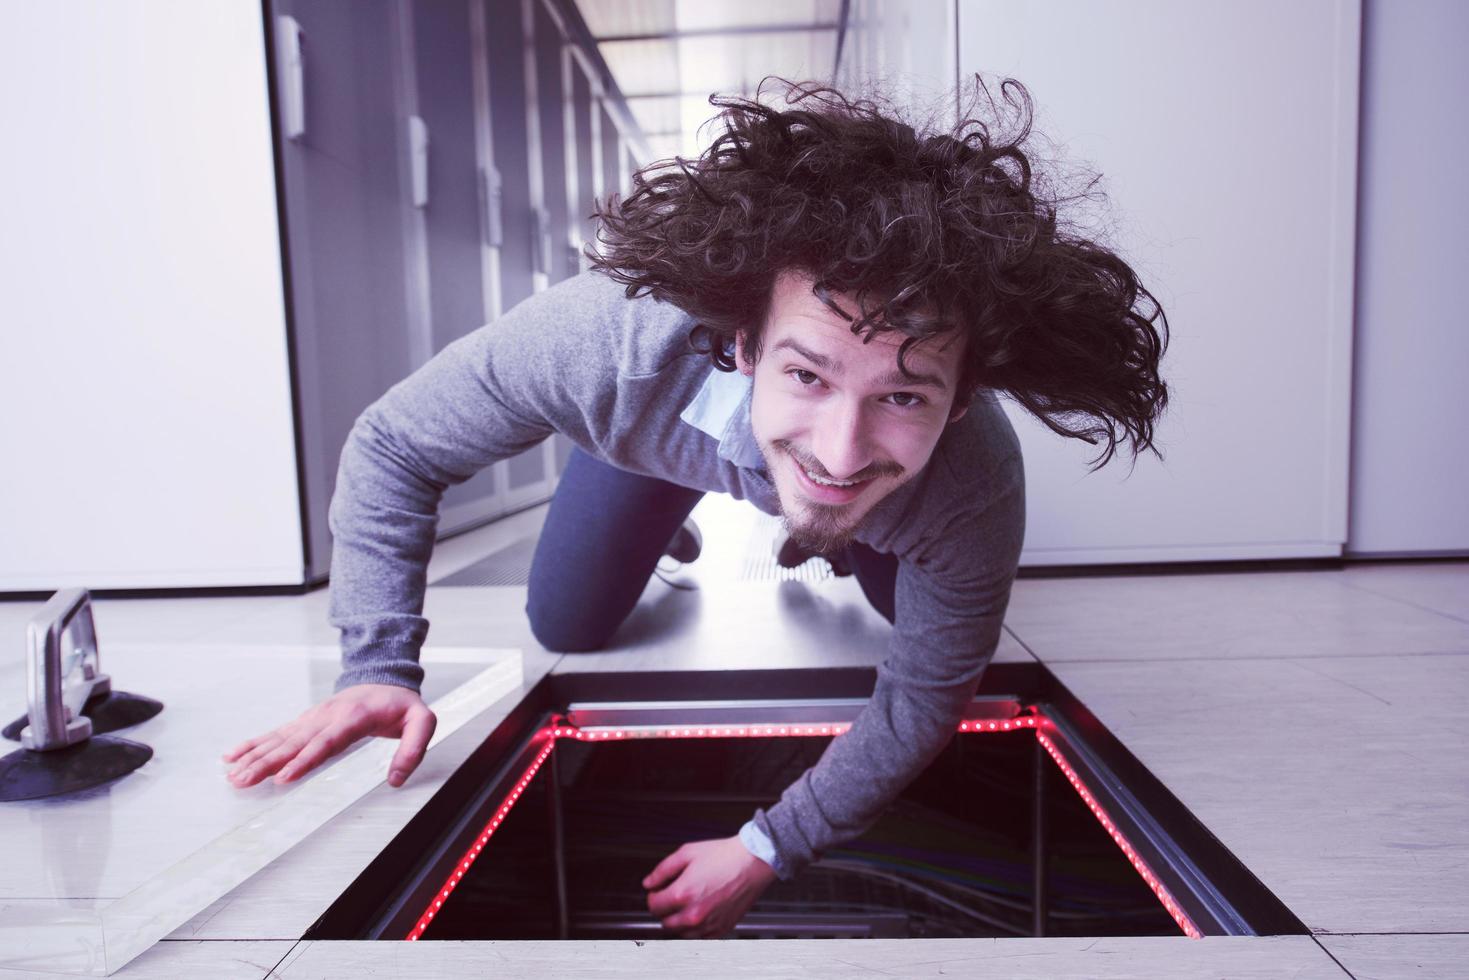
(722, 410)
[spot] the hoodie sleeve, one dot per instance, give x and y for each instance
(951, 596)
(552, 364)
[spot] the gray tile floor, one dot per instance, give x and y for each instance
(1314, 721)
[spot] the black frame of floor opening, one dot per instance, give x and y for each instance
(1212, 888)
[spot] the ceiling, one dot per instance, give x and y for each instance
(668, 56)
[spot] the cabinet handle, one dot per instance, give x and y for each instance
(492, 190)
(291, 64)
(418, 159)
(541, 240)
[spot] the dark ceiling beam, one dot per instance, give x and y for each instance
(692, 93)
(575, 32)
(844, 17)
(752, 29)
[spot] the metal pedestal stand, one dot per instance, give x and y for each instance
(63, 750)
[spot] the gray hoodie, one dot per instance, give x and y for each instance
(620, 379)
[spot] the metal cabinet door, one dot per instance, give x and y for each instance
(342, 192)
(583, 168)
(505, 43)
(611, 157)
(441, 86)
(549, 95)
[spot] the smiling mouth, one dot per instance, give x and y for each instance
(825, 490)
(831, 483)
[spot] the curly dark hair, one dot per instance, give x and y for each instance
(929, 231)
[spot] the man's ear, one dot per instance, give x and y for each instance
(957, 412)
(747, 369)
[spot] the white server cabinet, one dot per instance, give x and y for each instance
(145, 385)
(1227, 134)
(197, 311)
(1410, 458)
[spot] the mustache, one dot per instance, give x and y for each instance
(812, 465)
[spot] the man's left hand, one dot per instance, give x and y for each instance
(703, 889)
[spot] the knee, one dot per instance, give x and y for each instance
(560, 631)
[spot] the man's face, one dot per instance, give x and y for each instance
(839, 425)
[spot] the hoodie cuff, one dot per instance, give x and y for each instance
(398, 671)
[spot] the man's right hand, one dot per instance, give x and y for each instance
(297, 747)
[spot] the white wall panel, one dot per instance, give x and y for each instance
(1410, 456)
(902, 50)
(1227, 136)
(144, 384)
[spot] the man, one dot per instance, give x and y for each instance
(816, 316)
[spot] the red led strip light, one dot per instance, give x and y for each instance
(479, 844)
(787, 731)
(1164, 895)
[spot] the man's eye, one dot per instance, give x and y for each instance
(805, 377)
(906, 399)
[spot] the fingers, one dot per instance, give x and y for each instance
(418, 730)
(263, 747)
(259, 747)
(321, 748)
(694, 923)
(272, 751)
(708, 887)
(668, 869)
(687, 920)
(295, 749)
(664, 903)
(246, 746)
(264, 760)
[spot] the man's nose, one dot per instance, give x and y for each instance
(841, 442)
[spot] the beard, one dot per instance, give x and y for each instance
(823, 529)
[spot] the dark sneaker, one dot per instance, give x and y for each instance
(686, 543)
(789, 554)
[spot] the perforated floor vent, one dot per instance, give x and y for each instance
(760, 566)
(511, 564)
(508, 566)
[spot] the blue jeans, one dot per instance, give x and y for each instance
(603, 536)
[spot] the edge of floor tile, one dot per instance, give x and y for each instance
(1406, 602)
(1340, 965)
(292, 954)
(1246, 657)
